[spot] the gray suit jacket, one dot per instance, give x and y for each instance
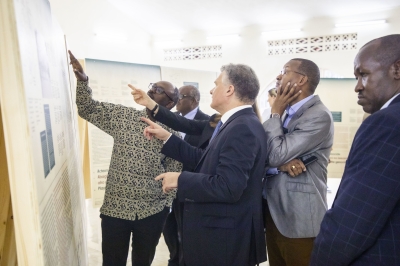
(298, 204)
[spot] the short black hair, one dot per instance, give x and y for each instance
(245, 81)
(311, 70)
(388, 50)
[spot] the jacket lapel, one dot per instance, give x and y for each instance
(233, 117)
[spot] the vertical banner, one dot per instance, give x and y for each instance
(109, 83)
(41, 139)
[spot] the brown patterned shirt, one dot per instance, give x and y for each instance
(131, 189)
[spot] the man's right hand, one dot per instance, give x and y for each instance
(76, 66)
(142, 98)
(154, 130)
(284, 97)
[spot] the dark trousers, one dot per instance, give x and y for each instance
(284, 251)
(172, 234)
(116, 234)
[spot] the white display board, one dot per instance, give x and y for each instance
(41, 137)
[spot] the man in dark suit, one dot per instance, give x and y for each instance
(222, 223)
(188, 107)
(363, 226)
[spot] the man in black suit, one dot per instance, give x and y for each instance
(363, 226)
(188, 107)
(222, 223)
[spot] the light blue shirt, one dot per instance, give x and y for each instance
(291, 110)
(190, 116)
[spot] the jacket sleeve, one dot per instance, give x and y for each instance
(180, 123)
(308, 135)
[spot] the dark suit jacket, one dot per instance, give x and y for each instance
(363, 226)
(195, 139)
(223, 214)
(201, 128)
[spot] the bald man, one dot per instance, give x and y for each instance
(363, 225)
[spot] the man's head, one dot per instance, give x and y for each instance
(163, 93)
(236, 85)
(189, 98)
(377, 70)
(303, 72)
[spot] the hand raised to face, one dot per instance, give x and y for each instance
(284, 97)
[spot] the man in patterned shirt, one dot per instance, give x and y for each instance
(133, 202)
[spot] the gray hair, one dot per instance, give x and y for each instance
(245, 81)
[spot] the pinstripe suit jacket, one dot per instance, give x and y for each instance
(363, 226)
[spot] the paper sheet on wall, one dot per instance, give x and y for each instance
(53, 135)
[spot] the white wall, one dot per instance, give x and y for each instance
(251, 49)
(80, 20)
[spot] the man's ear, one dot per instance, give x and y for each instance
(302, 81)
(230, 91)
(396, 69)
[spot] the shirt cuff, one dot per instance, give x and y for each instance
(165, 141)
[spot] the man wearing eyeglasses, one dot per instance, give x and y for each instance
(188, 107)
(295, 202)
(134, 204)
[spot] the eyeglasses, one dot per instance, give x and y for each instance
(181, 96)
(284, 71)
(157, 89)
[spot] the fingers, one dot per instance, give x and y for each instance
(296, 167)
(149, 122)
(159, 177)
(71, 56)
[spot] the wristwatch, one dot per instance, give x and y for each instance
(275, 115)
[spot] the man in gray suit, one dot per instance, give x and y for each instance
(295, 198)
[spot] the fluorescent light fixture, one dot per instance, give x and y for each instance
(226, 36)
(282, 31)
(360, 23)
(111, 36)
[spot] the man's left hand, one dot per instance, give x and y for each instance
(169, 180)
(294, 167)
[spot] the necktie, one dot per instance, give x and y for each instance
(216, 130)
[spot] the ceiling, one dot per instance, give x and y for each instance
(164, 17)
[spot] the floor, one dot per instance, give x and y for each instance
(162, 254)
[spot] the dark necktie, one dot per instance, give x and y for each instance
(216, 130)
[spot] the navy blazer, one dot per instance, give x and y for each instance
(195, 139)
(363, 226)
(198, 127)
(222, 213)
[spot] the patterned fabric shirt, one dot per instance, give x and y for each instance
(135, 161)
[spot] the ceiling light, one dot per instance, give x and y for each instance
(273, 32)
(360, 23)
(226, 36)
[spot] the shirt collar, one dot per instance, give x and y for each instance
(228, 114)
(388, 102)
(290, 110)
(191, 114)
